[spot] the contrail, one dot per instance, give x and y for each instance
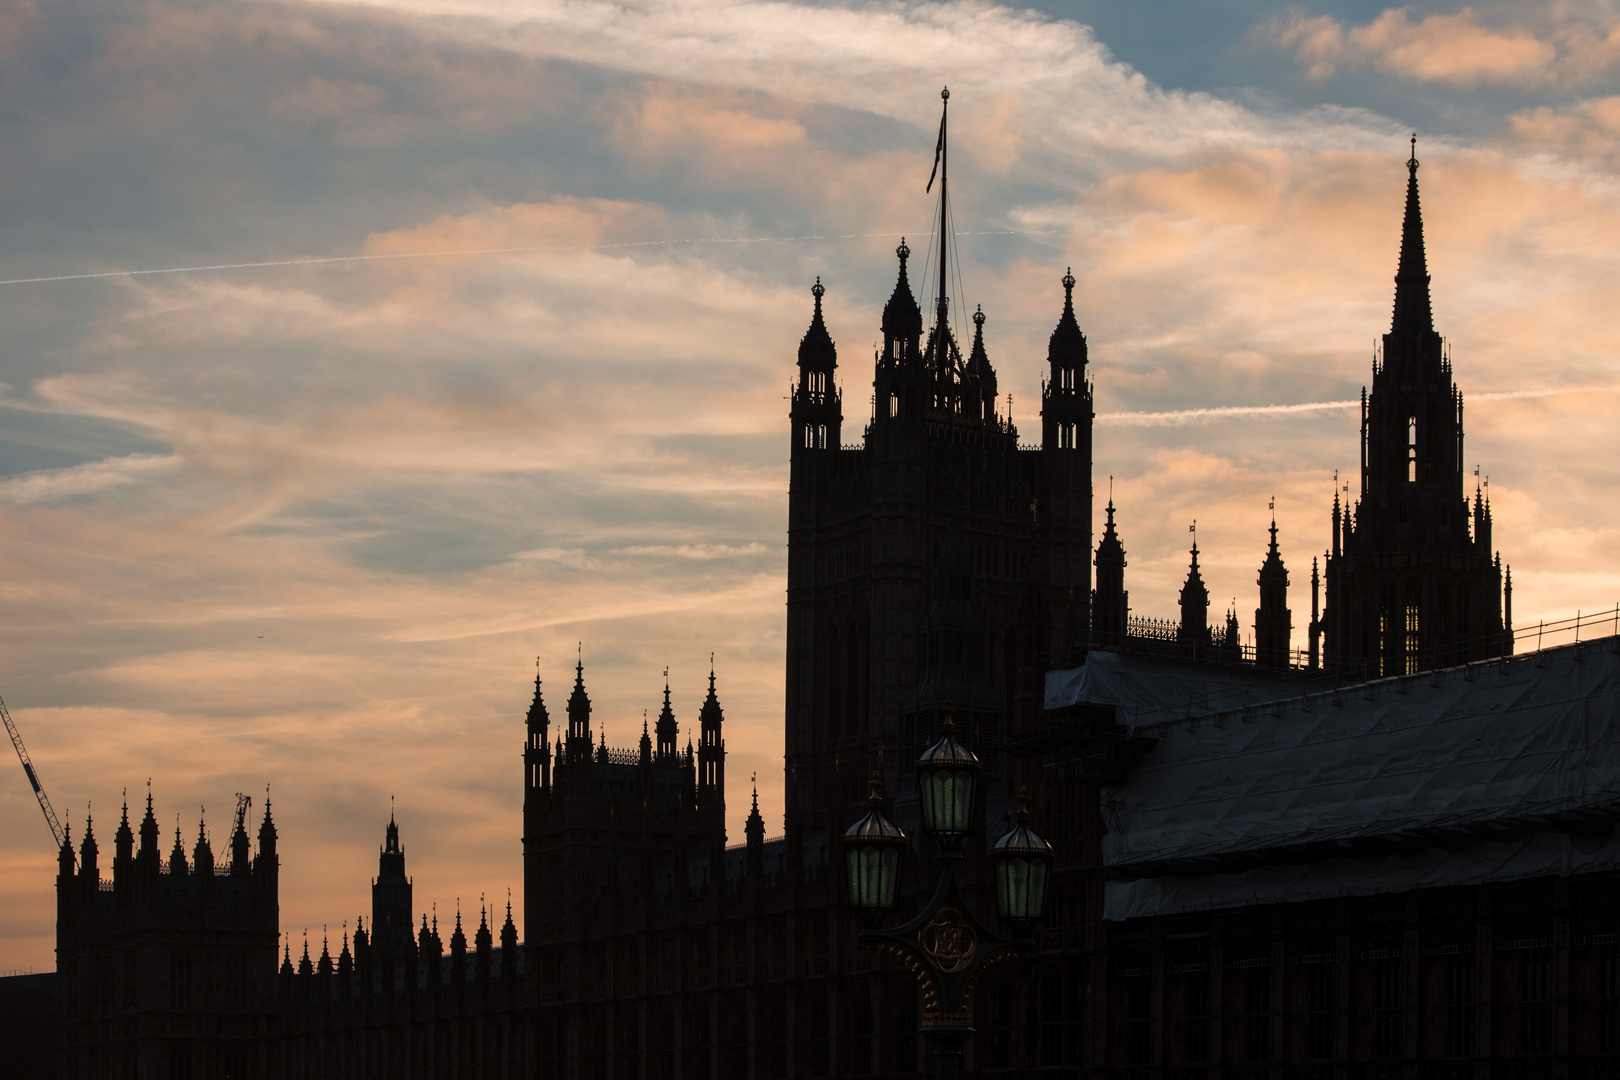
(321, 259)
(1193, 416)
(1177, 417)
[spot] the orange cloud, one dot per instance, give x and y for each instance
(1458, 50)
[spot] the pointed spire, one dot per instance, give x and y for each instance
(902, 318)
(286, 957)
(1413, 314)
(1066, 348)
(304, 966)
(124, 839)
(1194, 601)
(817, 346)
(177, 857)
(202, 854)
(538, 718)
(666, 728)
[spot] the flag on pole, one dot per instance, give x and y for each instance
(939, 148)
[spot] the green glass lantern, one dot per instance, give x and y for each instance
(1023, 862)
(947, 778)
(873, 848)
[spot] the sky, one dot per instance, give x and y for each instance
(490, 367)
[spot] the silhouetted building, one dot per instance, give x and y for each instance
(1262, 868)
(1409, 585)
(168, 969)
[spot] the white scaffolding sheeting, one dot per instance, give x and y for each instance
(1427, 760)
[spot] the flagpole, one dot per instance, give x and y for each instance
(944, 196)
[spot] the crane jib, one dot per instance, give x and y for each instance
(32, 779)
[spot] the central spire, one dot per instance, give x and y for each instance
(1413, 314)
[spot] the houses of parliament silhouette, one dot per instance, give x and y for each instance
(937, 564)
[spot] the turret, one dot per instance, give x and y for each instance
(536, 750)
(266, 867)
(1273, 622)
(124, 853)
(483, 942)
(146, 861)
(817, 405)
(1063, 510)
(509, 941)
(899, 381)
(89, 870)
(1194, 628)
(579, 718)
(979, 377)
(754, 831)
(1110, 607)
(177, 858)
(391, 895)
(458, 955)
(202, 856)
(711, 757)
(1065, 397)
(665, 728)
(241, 850)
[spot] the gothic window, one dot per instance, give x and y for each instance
(894, 405)
(1414, 593)
(1411, 449)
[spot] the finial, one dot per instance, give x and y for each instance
(1068, 282)
(874, 797)
(1022, 814)
(1412, 162)
(948, 726)
(945, 94)
(903, 251)
(978, 317)
(818, 291)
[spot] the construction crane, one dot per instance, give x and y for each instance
(33, 777)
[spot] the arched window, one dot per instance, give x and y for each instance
(1414, 637)
(894, 405)
(1411, 449)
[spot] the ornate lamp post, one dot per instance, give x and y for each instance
(944, 945)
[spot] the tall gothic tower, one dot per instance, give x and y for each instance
(1273, 622)
(1409, 585)
(936, 563)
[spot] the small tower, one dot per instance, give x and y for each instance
(979, 377)
(817, 409)
(754, 832)
(1194, 629)
(1273, 622)
(537, 750)
(1064, 509)
(1110, 602)
(665, 729)
(711, 755)
(391, 896)
(579, 718)
(899, 380)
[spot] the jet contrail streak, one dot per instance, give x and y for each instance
(1194, 416)
(317, 260)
